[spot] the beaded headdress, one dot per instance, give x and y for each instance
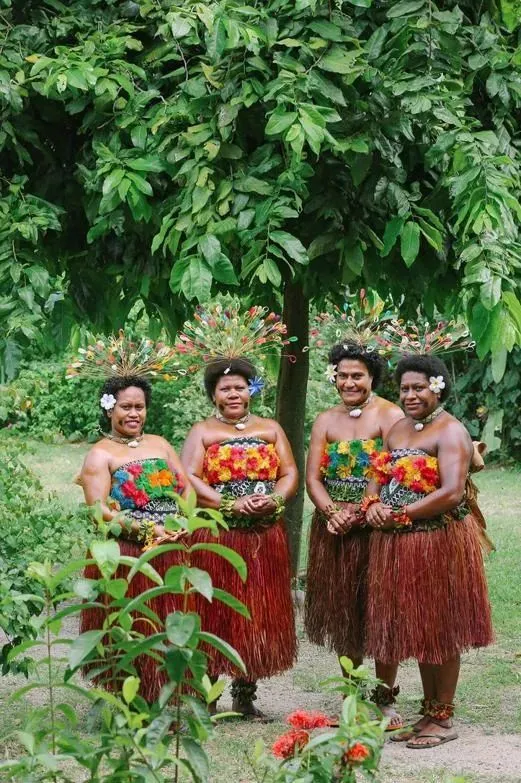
(124, 357)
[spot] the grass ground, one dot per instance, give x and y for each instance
(489, 695)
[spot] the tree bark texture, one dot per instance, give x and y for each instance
(291, 403)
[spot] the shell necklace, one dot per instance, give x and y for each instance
(355, 411)
(427, 420)
(239, 424)
(132, 443)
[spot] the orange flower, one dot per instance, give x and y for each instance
(308, 720)
(356, 754)
(288, 744)
(161, 478)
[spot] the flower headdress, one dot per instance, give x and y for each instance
(358, 321)
(446, 337)
(121, 356)
(221, 331)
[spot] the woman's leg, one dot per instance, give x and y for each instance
(441, 680)
(385, 695)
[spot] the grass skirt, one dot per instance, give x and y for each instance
(267, 643)
(336, 589)
(427, 594)
(152, 679)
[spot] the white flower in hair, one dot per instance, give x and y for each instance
(436, 383)
(330, 373)
(107, 402)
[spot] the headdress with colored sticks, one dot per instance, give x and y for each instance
(358, 321)
(446, 337)
(222, 331)
(121, 356)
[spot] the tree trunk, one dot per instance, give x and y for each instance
(291, 403)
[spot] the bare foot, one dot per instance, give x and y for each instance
(434, 733)
(395, 719)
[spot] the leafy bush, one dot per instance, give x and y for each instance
(32, 525)
(136, 741)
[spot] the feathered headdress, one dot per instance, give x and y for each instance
(446, 337)
(221, 331)
(124, 357)
(359, 320)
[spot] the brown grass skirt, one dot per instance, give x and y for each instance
(336, 589)
(266, 643)
(427, 594)
(152, 679)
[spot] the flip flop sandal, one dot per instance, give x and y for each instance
(441, 740)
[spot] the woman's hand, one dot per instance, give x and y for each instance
(248, 506)
(379, 516)
(341, 521)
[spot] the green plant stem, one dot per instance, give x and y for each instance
(48, 606)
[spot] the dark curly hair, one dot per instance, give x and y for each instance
(219, 367)
(357, 352)
(118, 383)
(428, 366)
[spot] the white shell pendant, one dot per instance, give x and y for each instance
(133, 444)
(355, 413)
(240, 426)
(418, 426)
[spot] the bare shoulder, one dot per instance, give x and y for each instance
(389, 409)
(158, 440)
(325, 418)
(456, 430)
(98, 457)
(198, 429)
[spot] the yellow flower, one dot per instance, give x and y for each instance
(225, 475)
(343, 447)
(343, 472)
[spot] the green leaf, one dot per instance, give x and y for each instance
(229, 554)
(223, 271)
(490, 292)
(138, 135)
(39, 279)
(141, 184)
(180, 627)
(130, 688)
(280, 120)
(106, 555)
(338, 60)
(272, 272)
(201, 580)
(253, 185)
(410, 242)
(405, 8)
(498, 364)
(117, 588)
(291, 245)
(210, 247)
(391, 234)
(327, 30)
(197, 758)
(82, 646)
(197, 280)
(224, 648)
(231, 601)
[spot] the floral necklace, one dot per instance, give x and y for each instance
(132, 443)
(239, 424)
(355, 411)
(420, 424)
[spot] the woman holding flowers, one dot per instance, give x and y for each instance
(242, 465)
(427, 594)
(344, 440)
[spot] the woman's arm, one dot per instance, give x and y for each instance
(192, 459)
(314, 483)
(287, 482)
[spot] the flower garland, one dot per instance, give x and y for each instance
(236, 462)
(416, 472)
(349, 458)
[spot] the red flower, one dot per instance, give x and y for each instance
(308, 720)
(399, 473)
(356, 754)
(135, 470)
(417, 486)
(288, 744)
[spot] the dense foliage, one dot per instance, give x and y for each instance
(32, 525)
(153, 151)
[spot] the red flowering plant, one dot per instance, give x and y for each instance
(318, 748)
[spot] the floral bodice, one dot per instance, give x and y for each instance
(407, 475)
(145, 489)
(346, 467)
(242, 466)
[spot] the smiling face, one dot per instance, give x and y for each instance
(232, 396)
(128, 416)
(416, 398)
(353, 381)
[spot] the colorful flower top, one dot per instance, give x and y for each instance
(407, 475)
(346, 466)
(242, 466)
(145, 489)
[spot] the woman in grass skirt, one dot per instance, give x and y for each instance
(427, 593)
(343, 440)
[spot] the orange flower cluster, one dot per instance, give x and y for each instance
(235, 462)
(308, 720)
(415, 472)
(356, 754)
(288, 744)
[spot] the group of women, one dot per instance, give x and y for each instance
(395, 564)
